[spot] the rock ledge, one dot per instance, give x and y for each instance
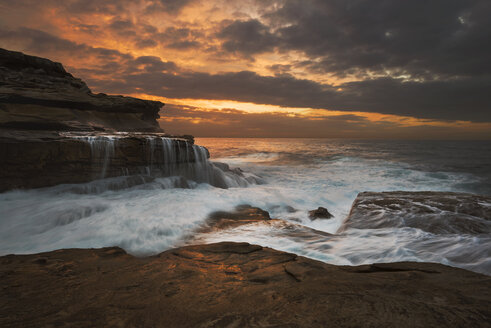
(233, 285)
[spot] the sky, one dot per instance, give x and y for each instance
(276, 68)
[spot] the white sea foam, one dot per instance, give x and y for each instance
(154, 216)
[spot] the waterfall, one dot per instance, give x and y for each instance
(101, 149)
(157, 158)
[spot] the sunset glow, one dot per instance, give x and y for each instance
(253, 57)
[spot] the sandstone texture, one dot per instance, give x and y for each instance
(38, 94)
(233, 285)
(41, 159)
(54, 130)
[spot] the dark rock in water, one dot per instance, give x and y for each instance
(233, 285)
(320, 213)
(243, 214)
(38, 94)
(434, 212)
(218, 222)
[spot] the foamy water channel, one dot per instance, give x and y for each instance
(154, 216)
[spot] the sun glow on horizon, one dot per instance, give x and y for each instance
(308, 113)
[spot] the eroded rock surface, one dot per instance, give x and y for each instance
(233, 285)
(54, 130)
(44, 158)
(434, 212)
(38, 94)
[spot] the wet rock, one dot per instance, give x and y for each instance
(243, 214)
(42, 158)
(239, 284)
(434, 212)
(320, 213)
(42, 108)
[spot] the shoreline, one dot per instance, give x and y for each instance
(233, 284)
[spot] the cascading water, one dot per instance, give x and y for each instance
(180, 162)
(101, 150)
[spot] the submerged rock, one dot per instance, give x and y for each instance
(320, 213)
(233, 285)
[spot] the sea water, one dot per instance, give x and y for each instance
(303, 174)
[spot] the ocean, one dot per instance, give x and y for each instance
(290, 177)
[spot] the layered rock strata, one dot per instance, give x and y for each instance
(32, 160)
(233, 285)
(54, 130)
(38, 94)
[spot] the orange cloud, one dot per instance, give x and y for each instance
(137, 47)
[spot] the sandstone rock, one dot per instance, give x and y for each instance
(233, 285)
(51, 126)
(39, 159)
(320, 213)
(435, 212)
(38, 94)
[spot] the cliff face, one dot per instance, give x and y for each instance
(54, 130)
(33, 160)
(233, 285)
(38, 94)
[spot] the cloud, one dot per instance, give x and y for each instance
(417, 39)
(415, 58)
(176, 119)
(247, 37)
(463, 99)
(43, 43)
(170, 6)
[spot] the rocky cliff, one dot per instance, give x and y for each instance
(40, 159)
(38, 94)
(54, 130)
(233, 285)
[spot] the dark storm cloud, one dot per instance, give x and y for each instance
(36, 41)
(170, 6)
(145, 43)
(153, 64)
(440, 38)
(180, 38)
(463, 99)
(119, 24)
(107, 62)
(280, 68)
(442, 44)
(113, 7)
(247, 37)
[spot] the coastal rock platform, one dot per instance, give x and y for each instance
(233, 285)
(430, 211)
